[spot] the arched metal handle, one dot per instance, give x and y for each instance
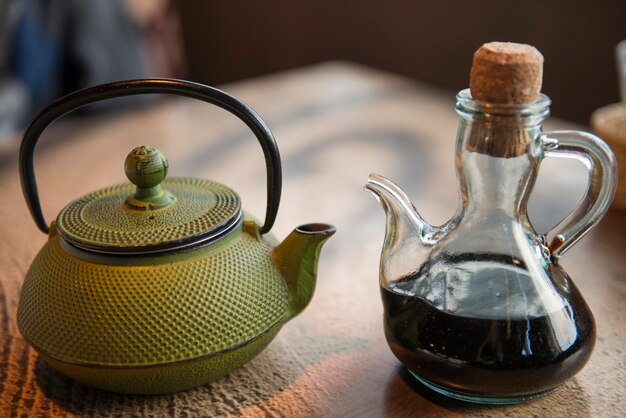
(602, 167)
(190, 89)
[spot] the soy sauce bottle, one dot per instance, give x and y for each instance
(479, 308)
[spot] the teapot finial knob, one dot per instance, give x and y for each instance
(146, 167)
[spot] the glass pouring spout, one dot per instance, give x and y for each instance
(407, 234)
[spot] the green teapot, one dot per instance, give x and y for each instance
(162, 284)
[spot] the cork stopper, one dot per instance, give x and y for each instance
(506, 73)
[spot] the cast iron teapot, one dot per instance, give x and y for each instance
(164, 284)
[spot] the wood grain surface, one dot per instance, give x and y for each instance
(334, 124)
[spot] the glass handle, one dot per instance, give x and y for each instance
(602, 168)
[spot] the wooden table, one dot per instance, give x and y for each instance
(334, 123)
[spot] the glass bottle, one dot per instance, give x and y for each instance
(479, 308)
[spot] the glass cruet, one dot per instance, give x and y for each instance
(479, 308)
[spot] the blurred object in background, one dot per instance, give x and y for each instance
(609, 122)
(620, 55)
(14, 99)
(161, 39)
(49, 48)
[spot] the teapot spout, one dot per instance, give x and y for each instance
(296, 258)
(405, 226)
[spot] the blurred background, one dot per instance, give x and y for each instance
(51, 47)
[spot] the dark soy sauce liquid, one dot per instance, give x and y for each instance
(489, 357)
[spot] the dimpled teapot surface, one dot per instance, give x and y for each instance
(164, 284)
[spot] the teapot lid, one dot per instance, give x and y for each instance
(151, 215)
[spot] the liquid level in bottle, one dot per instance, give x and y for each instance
(489, 357)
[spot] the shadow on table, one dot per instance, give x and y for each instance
(270, 373)
(570, 400)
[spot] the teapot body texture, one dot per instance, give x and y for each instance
(127, 316)
(479, 308)
(141, 325)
